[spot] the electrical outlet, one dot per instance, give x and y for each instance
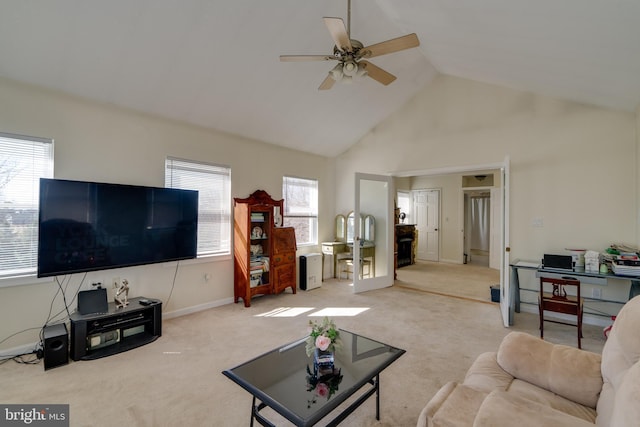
(115, 282)
(537, 222)
(596, 293)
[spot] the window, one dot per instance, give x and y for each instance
(213, 183)
(301, 208)
(404, 204)
(23, 161)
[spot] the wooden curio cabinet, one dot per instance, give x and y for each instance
(256, 270)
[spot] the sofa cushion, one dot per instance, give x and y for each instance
(508, 410)
(567, 371)
(552, 400)
(485, 374)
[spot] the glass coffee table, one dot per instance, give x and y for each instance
(285, 380)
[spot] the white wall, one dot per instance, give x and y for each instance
(573, 166)
(103, 143)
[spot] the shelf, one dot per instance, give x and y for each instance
(127, 344)
(136, 325)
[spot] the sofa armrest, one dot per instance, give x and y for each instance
(435, 403)
(485, 374)
(571, 373)
(454, 405)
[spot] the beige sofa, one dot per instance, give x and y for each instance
(531, 382)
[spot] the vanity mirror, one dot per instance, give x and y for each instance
(350, 227)
(369, 233)
(341, 228)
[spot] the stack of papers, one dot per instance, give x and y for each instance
(626, 264)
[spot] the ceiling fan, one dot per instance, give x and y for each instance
(352, 55)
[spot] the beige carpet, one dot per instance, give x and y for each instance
(462, 280)
(177, 380)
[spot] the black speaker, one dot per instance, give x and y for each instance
(93, 301)
(56, 346)
(303, 272)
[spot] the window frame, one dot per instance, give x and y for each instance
(313, 215)
(406, 194)
(38, 167)
(223, 209)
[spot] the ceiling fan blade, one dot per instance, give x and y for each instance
(327, 83)
(339, 34)
(377, 73)
(300, 58)
(390, 46)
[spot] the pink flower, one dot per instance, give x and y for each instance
(322, 390)
(323, 342)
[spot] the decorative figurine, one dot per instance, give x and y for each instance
(122, 294)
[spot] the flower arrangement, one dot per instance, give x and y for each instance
(322, 385)
(323, 336)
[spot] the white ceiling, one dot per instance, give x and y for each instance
(215, 63)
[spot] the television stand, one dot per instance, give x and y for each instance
(120, 329)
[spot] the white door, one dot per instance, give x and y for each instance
(374, 196)
(505, 288)
(427, 213)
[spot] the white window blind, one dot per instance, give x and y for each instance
(213, 183)
(301, 208)
(23, 161)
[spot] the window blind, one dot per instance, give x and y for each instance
(23, 161)
(213, 183)
(301, 208)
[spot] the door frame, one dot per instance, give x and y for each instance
(383, 228)
(504, 168)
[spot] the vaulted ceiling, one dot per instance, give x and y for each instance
(216, 63)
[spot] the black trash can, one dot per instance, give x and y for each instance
(495, 293)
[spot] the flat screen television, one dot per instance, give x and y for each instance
(87, 226)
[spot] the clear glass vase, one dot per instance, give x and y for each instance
(323, 360)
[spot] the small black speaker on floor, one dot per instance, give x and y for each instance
(56, 346)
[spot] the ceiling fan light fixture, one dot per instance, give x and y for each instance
(350, 54)
(350, 68)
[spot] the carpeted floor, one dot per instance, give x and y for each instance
(177, 380)
(461, 280)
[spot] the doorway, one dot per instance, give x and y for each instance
(453, 181)
(477, 230)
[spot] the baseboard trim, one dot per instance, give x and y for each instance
(586, 318)
(30, 347)
(450, 261)
(197, 308)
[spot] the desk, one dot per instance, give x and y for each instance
(579, 272)
(332, 249)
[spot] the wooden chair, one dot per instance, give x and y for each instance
(559, 301)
